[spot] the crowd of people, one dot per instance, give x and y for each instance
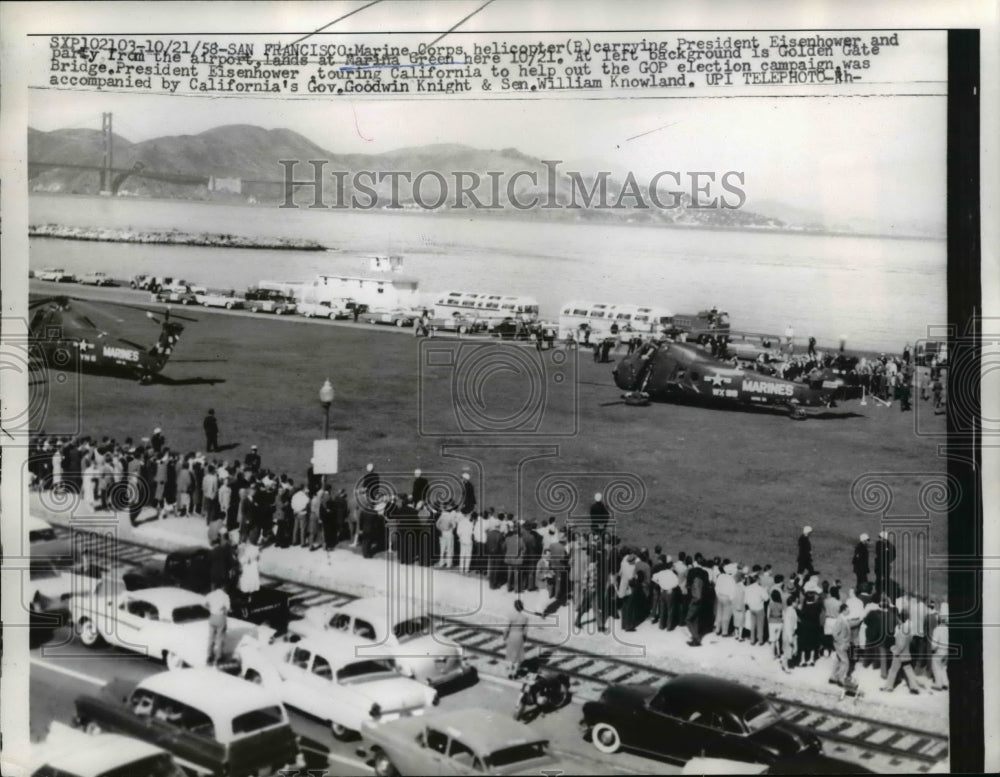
(581, 566)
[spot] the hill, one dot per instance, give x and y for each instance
(188, 166)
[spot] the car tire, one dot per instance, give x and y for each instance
(462, 330)
(383, 766)
(229, 306)
(333, 315)
(606, 738)
(185, 301)
(341, 732)
(253, 676)
(172, 660)
(93, 728)
(89, 635)
(398, 322)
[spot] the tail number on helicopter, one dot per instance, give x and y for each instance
(125, 354)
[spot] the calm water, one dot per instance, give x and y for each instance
(880, 293)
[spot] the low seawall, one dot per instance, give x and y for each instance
(173, 237)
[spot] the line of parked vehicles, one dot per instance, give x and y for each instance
(370, 669)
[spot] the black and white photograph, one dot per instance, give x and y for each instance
(495, 387)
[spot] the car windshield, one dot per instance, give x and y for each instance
(364, 670)
(190, 613)
(42, 535)
(760, 716)
(510, 756)
(265, 717)
(412, 628)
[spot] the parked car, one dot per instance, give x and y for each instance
(141, 282)
(213, 723)
(405, 635)
(325, 677)
(803, 763)
(269, 301)
(190, 569)
(165, 623)
(184, 296)
(55, 574)
(694, 715)
(219, 299)
(331, 309)
(96, 279)
(467, 741)
(457, 322)
(56, 275)
(69, 752)
(512, 329)
(396, 316)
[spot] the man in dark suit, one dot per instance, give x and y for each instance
(420, 484)
(805, 556)
(468, 495)
(211, 427)
(599, 515)
(495, 547)
(860, 561)
(371, 486)
(700, 600)
(885, 554)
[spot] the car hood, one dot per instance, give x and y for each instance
(628, 695)
(429, 646)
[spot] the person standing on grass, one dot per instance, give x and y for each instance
(859, 562)
(805, 558)
(789, 633)
(211, 427)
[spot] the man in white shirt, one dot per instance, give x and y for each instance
(667, 581)
(463, 530)
(446, 524)
(725, 586)
(300, 509)
(218, 606)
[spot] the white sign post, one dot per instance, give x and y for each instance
(324, 459)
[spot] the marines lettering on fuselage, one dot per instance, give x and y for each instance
(123, 354)
(766, 387)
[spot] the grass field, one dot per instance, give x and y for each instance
(733, 484)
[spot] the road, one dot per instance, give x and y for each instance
(62, 669)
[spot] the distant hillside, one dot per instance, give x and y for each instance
(181, 166)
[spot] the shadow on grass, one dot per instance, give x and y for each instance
(165, 381)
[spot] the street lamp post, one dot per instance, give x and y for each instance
(326, 395)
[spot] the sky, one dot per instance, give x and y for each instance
(844, 157)
(874, 158)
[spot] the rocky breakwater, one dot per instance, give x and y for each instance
(173, 237)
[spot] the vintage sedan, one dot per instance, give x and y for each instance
(55, 574)
(694, 715)
(332, 309)
(269, 301)
(165, 623)
(468, 741)
(69, 752)
(55, 275)
(219, 299)
(402, 630)
(211, 722)
(96, 279)
(183, 295)
(325, 678)
(396, 316)
(803, 763)
(458, 322)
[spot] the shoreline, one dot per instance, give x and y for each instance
(173, 237)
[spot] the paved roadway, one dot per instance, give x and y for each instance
(62, 669)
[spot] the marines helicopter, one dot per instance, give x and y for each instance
(681, 371)
(64, 332)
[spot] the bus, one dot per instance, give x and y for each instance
(575, 317)
(489, 308)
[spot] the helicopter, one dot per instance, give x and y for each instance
(681, 371)
(63, 330)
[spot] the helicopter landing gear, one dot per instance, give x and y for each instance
(796, 413)
(145, 379)
(636, 398)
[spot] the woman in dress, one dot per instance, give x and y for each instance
(515, 636)
(249, 559)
